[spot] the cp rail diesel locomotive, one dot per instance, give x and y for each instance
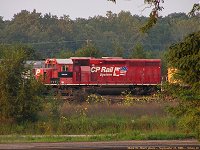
(100, 72)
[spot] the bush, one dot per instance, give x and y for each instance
(20, 96)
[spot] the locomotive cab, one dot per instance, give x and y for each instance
(45, 74)
(56, 71)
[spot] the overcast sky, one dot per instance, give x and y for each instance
(88, 8)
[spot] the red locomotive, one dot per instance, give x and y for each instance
(108, 71)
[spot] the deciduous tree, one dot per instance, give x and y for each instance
(185, 57)
(20, 93)
(88, 50)
(156, 6)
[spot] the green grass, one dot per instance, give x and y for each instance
(109, 137)
(100, 122)
(92, 125)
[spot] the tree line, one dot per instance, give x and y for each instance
(113, 34)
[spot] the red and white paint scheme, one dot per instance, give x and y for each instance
(100, 71)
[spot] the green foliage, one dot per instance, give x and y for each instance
(185, 56)
(138, 52)
(113, 34)
(128, 99)
(114, 121)
(20, 98)
(153, 18)
(97, 99)
(115, 127)
(188, 108)
(118, 50)
(88, 51)
(53, 106)
(65, 54)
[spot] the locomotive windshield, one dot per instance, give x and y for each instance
(49, 65)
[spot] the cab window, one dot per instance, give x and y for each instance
(64, 68)
(50, 66)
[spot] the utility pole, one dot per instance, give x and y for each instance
(87, 41)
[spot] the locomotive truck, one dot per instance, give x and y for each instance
(106, 72)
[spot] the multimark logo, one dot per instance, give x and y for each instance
(110, 71)
(120, 71)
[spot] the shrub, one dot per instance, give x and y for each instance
(20, 96)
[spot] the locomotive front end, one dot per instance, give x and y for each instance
(56, 72)
(43, 75)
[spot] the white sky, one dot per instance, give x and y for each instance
(88, 8)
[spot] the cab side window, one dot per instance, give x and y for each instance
(64, 68)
